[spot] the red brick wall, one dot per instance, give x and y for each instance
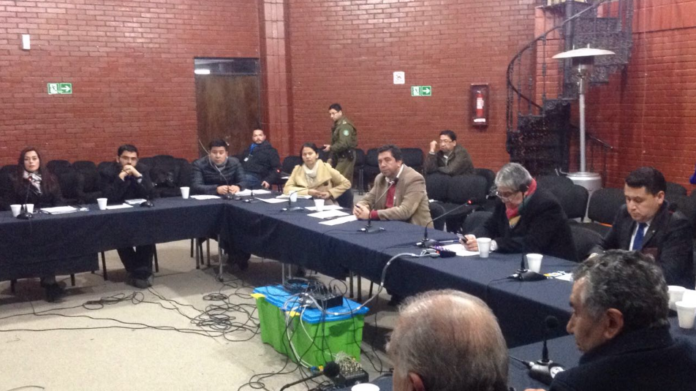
(131, 65)
(649, 113)
(346, 52)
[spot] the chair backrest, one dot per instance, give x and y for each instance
(413, 157)
(71, 184)
(585, 239)
(371, 157)
(573, 199)
(359, 158)
(184, 172)
(290, 162)
(436, 186)
(605, 204)
(323, 155)
(89, 173)
(675, 189)
(475, 220)
(345, 200)
(489, 175)
(56, 166)
(549, 181)
(465, 188)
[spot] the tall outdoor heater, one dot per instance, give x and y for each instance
(583, 60)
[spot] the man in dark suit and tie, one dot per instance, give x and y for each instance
(647, 225)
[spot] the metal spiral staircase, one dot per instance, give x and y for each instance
(540, 90)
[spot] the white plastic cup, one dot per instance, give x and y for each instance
(16, 209)
(319, 204)
(185, 191)
(675, 294)
(365, 387)
(484, 245)
(293, 197)
(30, 208)
(689, 296)
(102, 203)
(686, 311)
(534, 262)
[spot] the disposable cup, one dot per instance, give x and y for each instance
(686, 311)
(30, 208)
(319, 204)
(484, 245)
(293, 197)
(16, 209)
(676, 293)
(185, 192)
(102, 203)
(534, 262)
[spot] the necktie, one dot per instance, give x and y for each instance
(638, 240)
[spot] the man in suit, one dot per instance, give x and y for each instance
(620, 309)
(119, 181)
(452, 159)
(647, 225)
(398, 193)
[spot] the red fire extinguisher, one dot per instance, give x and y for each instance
(479, 104)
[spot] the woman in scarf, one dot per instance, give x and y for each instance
(33, 184)
(316, 178)
(526, 219)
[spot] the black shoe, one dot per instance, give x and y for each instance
(140, 283)
(53, 292)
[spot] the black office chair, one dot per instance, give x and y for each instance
(475, 220)
(56, 166)
(547, 182)
(90, 176)
(489, 175)
(358, 172)
(413, 157)
(573, 199)
(437, 186)
(71, 185)
(463, 189)
(371, 167)
(604, 205)
(675, 189)
(585, 239)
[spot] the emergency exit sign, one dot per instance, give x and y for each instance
(59, 88)
(421, 91)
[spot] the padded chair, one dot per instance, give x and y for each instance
(675, 189)
(6, 182)
(475, 220)
(585, 239)
(463, 189)
(56, 166)
(90, 176)
(549, 181)
(437, 185)
(71, 185)
(358, 172)
(573, 199)
(371, 167)
(167, 176)
(489, 175)
(413, 157)
(323, 155)
(604, 205)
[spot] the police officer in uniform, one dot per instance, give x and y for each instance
(344, 140)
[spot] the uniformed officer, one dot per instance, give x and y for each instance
(344, 140)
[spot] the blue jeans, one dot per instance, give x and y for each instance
(252, 181)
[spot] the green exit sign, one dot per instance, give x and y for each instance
(59, 88)
(421, 91)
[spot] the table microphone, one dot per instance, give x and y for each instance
(425, 243)
(24, 213)
(291, 208)
(369, 229)
(331, 370)
(545, 370)
(525, 274)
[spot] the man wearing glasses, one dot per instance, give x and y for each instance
(452, 159)
(525, 220)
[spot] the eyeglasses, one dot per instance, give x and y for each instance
(506, 195)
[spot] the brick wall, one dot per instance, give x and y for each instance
(131, 65)
(346, 52)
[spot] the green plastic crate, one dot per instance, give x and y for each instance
(329, 337)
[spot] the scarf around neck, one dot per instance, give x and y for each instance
(513, 214)
(34, 178)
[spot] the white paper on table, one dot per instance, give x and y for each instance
(460, 250)
(273, 200)
(122, 206)
(285, 196)
(340, 220)
(326, 207)
(564, 276)
(60, 210)
(327, 214)
(201, 197)
(247, 192)
(136, 201)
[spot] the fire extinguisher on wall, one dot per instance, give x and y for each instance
(480, 117)
(478, 105)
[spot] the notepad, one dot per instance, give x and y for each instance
(460, 250)
(137, 201)
(326, 207)
(340, 220)
(114, 207)
(247, 192)
(60, 210)
(285, 196)
(201, 197)
(327, 214)
(273, 200)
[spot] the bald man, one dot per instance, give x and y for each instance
(448, 341)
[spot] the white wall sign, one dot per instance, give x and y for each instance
(399, 77)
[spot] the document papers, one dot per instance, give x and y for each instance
(247, 192)
(460, 250)
(327, 214)
(122, 206)
(340, 220)
(202, 197)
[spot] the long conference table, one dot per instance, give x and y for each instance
(295, 238)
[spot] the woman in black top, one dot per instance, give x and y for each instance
(33, 184)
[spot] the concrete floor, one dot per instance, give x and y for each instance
(115, 346)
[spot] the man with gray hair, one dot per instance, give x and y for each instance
(620, 309)
(448, 341)
(526, 219)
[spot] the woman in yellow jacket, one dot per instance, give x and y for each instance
(316, 178)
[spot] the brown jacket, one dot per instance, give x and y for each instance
(459, 162)
(328, 179)
(410, 199)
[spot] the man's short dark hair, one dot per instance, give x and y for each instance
(395, 151)
(218, 143)
(449, 134)
(648, 177)
(629, 282)
(127, 148)
(336, 107)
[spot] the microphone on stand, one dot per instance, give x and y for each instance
(525, 274)
(291, 208)
(545, 370)
(24, 213)
(369, 229)
(331, 370)
(425, 243)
